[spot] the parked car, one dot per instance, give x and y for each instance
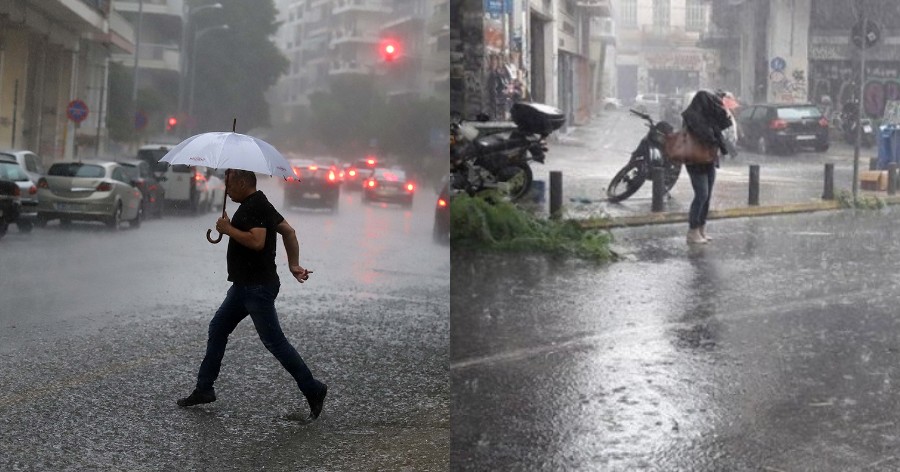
(389, 185)
(612, 104)
(215, 185)
(152, 190)
(648, 103)
(185, 187)
(89, 190)
(10, 205)
(769, 127)
(441, 231)
(318, 185)
(30, 162)
(356, 172)
(11, 171)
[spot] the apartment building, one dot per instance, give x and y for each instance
(324, 39)
(52, 53)
(658, 47)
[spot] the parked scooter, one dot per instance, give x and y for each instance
(849, 115)
(498, 158)
(649, 154)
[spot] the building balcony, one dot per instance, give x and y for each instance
(351, 36)
(151, 7)
(595, 7)
(160, 57)
(656, 35)
(404, 23)
(360, 6)
(349, 67)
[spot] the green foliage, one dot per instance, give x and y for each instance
(120, 121)
(863, 202)
(235, 67)
(489, 223)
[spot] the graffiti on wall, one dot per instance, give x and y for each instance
(786, 84)
(837, 80)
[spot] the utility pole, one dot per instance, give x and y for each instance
(137, 52)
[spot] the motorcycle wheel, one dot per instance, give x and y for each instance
(517, 178)
(673, 170)
(627, 181)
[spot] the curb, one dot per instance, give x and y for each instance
(741, 212)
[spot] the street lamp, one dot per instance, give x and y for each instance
(186, 26)
(197, 36)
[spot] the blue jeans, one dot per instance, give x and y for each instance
(258, 301)
(703, 176)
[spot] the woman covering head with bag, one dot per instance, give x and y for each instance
(705, 119)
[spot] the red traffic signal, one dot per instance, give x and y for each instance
(390, 50)
(171, 122)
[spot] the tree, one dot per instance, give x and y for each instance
(151, 102)
(235, 67)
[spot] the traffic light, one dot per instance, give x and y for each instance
(171, 123)
(390, 50)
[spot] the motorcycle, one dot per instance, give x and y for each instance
(648, 155)
(486, 155)
(848, 126)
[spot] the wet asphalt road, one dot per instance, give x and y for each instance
(101, 332)
(774, 348)
(591, 155)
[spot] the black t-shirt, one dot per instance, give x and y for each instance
(246, 266)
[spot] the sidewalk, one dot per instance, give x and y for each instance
(789, 183)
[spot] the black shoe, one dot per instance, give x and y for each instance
(197, 397)
(316, 402)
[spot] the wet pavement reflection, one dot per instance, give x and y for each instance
(772, 348)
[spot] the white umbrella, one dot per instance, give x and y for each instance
(229, 151)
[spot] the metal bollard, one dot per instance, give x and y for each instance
(828, 192)
(555, 194)
(873, 163)
(658, 176)
(892, 178)
(754, 185)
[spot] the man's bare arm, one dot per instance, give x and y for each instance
(254, 239)
(292, 248)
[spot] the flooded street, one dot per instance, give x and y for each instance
(774, 347)
(100, 333)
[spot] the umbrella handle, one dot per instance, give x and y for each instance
(224, 201)
(210, 239)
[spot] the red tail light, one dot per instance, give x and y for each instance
(42, 183)
(32, 190)
(371, 183)
(442, 203)
(410, 187)
(823, 122)
(104, 187)
(778, 124)
(371, 162)
(17, 191)
(331, 176)
(352, 172)
(198, 177)
(313, 167)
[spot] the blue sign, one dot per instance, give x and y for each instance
(495, 7)
(140, 120)
(77, 110)
(778, 64)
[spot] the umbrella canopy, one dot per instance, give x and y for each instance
(221, 150)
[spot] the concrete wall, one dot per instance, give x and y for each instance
(788, 50)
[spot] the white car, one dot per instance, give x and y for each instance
(30, 162)
(612, 104)
(186, 186)
(648, 103)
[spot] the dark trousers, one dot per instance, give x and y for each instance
(258, 301)
(703, 176)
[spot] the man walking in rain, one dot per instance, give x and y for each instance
(255, 284)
